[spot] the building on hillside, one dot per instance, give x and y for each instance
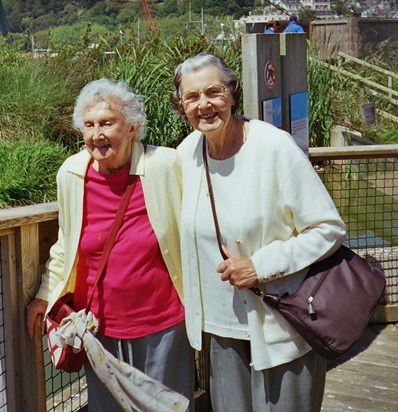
(279, 10)
(317, 5)
(291, 6)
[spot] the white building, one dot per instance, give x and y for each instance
(317, 5)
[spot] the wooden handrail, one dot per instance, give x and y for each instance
(369, 83)
(43, 212)
(354, 152)
(364, 63)
(26, 215)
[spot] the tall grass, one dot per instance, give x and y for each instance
(151, 74)
(38, 95)
(337, 99)
(27, 171)
(33, 99)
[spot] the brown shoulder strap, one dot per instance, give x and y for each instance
(212, 202)
(257, 291)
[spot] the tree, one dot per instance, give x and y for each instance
(170, 7)
(340, 8)
(70, 14)
(306, 13)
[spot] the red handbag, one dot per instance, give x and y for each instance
(64, 356)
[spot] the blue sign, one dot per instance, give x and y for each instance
(272, 111)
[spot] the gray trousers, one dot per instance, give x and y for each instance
(165, 356)
(297, 386)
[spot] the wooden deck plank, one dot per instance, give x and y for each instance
(379, 379)
(366, 377)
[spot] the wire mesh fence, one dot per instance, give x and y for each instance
(65, 392)
(365, 192)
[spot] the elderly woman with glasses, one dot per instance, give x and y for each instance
(138, 302)
(254, 216)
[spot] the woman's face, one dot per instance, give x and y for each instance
(210, 109)
(107, 135)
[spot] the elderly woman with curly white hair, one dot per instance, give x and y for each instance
(139, 300)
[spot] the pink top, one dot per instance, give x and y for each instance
(136, 296)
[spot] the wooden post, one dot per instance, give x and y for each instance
(261, 70)
(274, 70)
(31, 358)
(293, 50)
(10, 318)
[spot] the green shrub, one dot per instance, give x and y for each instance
(27, 171)
(33, 101)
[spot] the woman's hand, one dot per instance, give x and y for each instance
(36, 308)
(238, 270)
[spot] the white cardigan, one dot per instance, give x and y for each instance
(297, 224)
(160, 172)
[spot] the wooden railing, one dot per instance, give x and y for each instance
(379, 91)
(26, 234)
(343, 57)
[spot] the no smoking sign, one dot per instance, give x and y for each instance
(270, 74)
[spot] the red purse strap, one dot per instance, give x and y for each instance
(110, 240)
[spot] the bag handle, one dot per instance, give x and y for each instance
(110, 240)
(257, 291)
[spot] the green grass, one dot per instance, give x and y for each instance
(38, 95)
(27, 171)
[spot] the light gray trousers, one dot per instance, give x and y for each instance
(165, 356)
(297, 386)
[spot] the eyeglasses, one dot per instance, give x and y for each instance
(213, 92)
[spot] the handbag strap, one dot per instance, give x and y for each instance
(110, 240)
(212, 202)
(257, 291)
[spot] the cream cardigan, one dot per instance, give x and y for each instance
(295, 224)
(159, 170)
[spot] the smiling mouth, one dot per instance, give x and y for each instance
(208, 116)
(103, 149)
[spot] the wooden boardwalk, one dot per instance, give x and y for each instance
(365, 379)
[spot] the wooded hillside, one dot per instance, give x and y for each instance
(36, 15)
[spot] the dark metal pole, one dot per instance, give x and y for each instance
(3, 20)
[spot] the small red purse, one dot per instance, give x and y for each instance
(63, 357)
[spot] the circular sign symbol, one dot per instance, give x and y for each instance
(270, 74)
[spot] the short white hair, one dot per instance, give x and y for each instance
(131, 104)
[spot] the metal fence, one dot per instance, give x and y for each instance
(65, 392)
(365, 191)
